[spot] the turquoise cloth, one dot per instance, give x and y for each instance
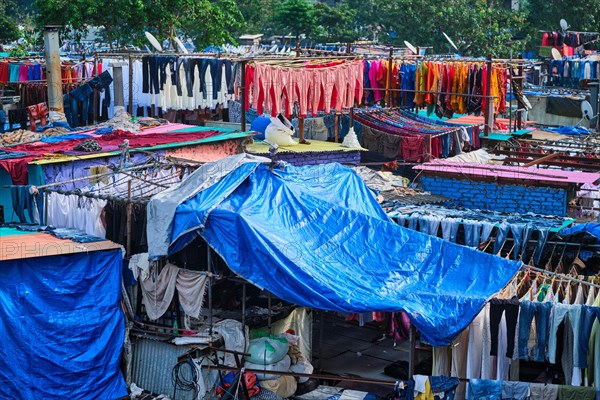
(13, 72)
(4, 231)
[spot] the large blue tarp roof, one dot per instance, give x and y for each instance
(62, 327)
(316, 236)
(592, 228)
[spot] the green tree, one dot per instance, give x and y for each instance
(478, 27)
(336, 22)
(205, 21)
(116, 18)
(582, 15)
(258, 15)
(296, 17)
(124, 21)
(8, 25)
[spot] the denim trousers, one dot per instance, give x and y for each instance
(443, 385)
(541, 312)
(483, 389)
(588, 316)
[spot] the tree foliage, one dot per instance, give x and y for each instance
(8, 24)
(258, 16)
(477, 27)
(336, 23)
(296, 17)
(124, 21)
(583, 15)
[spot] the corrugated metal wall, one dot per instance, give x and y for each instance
(152, 367)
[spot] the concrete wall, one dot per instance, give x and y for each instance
(538, 114)
(499, 197)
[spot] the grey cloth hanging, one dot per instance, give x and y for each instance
(518, 232)
(541, 242)
(412, 222)
(501, 236)
(450, 228)
(486, 231)
(526, 236)
(158, 291)
(472, 233)
(429, 225)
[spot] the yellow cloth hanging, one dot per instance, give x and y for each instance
(428, 395)
(494, 89)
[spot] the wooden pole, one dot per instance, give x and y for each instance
(130, 85)
(244, 309)
(336, 127)
(388, 85)
(95, 92)
(129, 218)
(542, 159)
(520, 87)
(488, 112)
(321, 327)
(301, 129)
(297, 49)
(269, 315)
(510, 91)
(427, 155)
(412, 352)
(210, 291)
(243, 95)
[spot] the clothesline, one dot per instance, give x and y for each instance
(258, 58)
(558, 275)
(96, 176)
(435, 92)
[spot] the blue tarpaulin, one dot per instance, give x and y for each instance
(570, 130)
(592, 228)
(62, 327)
(316, 236)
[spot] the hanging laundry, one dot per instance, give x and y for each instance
(158, 291)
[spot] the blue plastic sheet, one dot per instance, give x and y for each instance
(316, 236)
(592, 228)
(62, 327)
(570, 130)
(62, 138)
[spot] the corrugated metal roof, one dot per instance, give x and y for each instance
(152, 367)
(509, 172)
(16, 245)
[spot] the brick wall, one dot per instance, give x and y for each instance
(317, 158)
(499, 197)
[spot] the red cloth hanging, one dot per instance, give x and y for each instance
(412, 148)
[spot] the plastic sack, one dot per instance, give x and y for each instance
(284, 386)
(302, 367)
(267, 350)
(350, 140)
(281, 365)
(280, 132)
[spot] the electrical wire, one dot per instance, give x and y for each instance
(186, 378)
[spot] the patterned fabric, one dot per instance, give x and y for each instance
(89, 146)
(265, 394)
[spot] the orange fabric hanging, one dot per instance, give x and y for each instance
(495, 90)
(429, 84)
(462, 88)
